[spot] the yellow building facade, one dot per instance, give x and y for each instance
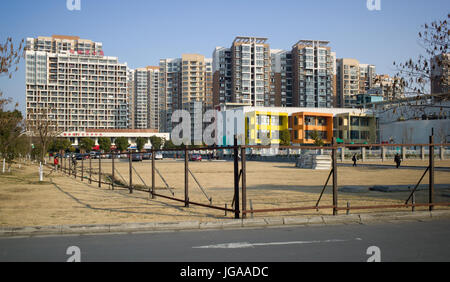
(259, 124)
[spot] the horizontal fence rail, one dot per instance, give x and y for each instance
(239, 155)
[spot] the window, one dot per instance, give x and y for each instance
(354, 121)
(354, 134)
(321, 121)
(365, 135)
(310, 120)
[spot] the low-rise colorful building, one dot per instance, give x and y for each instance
(260, 124)
(303, 124)
(352, 128)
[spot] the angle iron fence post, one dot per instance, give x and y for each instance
(112, 170)
(82, 166)
(335, 194)
(70, 166)
(99, 170)
(186, 176)
(131, 172)
(417, 185)
(90, 169)
(244, 181)
(153, 173)
(75, 167)
(431, 173)
(236, 179)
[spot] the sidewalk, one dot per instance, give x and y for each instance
(225, 224)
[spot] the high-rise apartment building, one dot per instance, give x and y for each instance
(347, 82)
(242, 72)
(352, 78)
(312, 74)
(390, 87)
(280, 78)
(221, 76)
(169, 90)
(367, 74)
(64, 43)
(183, 82)
(131, 97)
(74, 84)
(145, 98)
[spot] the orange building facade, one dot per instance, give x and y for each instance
(303, 124)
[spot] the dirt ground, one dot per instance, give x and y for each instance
(61, 199)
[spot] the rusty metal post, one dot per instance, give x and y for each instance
(90, 169)
(236, 179)
(153, 173)
(70, 166)
(82, 167)
(334, 164)
(186, 176)
(99, 170)
(244, 181)
(75, 167)
(431, 173)
(131, 172)
(112, 171)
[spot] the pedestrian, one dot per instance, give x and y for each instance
(56, 162)
(397, 160)
(354, 159)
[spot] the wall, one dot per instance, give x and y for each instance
(415, 131)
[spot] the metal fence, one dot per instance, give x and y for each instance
(240, 155)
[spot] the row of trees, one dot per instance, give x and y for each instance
(87, 144)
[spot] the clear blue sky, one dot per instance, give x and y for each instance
(140, 32)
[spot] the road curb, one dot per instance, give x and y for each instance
(224, 224)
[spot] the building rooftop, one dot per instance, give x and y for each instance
(321, 43)
(249, 39)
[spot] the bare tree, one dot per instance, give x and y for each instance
(42, 128)
(10, 56)
(418, 74)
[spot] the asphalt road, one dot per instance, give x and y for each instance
(399, 241)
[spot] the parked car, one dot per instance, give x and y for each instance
(80, 156)
(146, 156)
(136, 157)
(94, 155)
(195, 157)
(158, 156)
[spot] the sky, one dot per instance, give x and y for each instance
(140, 32)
